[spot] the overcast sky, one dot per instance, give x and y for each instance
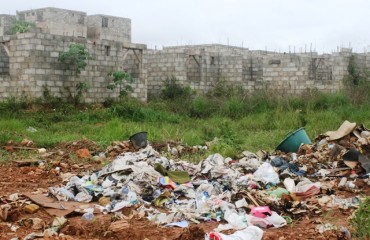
(274, 25)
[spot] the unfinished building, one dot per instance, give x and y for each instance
(29, 61)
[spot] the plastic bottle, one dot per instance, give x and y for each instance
(200, 200)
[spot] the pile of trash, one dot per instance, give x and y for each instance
(258, 191)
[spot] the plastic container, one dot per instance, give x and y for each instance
(261, 212)
(293, 141)
(139, 140)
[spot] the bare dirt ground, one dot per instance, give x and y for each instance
(20, 179)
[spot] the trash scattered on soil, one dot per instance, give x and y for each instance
(242, 196)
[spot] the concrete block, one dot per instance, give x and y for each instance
(54, 54)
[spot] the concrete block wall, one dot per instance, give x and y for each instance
(6, 22)
(287, 73)
(161, 65)
(252, 72)
(57, 21)
(33, 65)
(101, 27)
(28, 62)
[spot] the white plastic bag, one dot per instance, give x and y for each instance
(250, 233)
(267, 173)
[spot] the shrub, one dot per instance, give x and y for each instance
(76, 57)
(21, 27)
(173, 90)
(235, 107)
(135, 111)
(121, 79)
(361, 220)
(202, 107)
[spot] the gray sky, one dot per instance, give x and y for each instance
(256, 24)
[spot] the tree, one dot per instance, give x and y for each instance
(122, 80)
(76, 57)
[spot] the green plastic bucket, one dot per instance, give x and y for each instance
(293, 141)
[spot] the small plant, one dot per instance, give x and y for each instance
(21, 27)
(202, 107)
(361, 220)
(235, 107)
(76, 56)
(121, 79)
(353, 70)
(173, 90)
(81, 88)
(222, 90)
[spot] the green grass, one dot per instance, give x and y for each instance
(258, 121)
(361, 220)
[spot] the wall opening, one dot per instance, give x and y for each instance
(4, 60)
(104, 22)
(107, 50)
(81, 20)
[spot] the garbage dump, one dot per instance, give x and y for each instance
(244, 196)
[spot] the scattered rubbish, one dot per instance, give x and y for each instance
(33, 236)
(342, 182)
(24, 163)
(345, 233)
(182, 224)
(266, 173)
(31, 129)
(139, 140)
(249, 233)
(41, 150)
(345, 129)
(53, 206)
(325, 227)
(58, 223)
(365, 162)
(261, 212)
(278, 192)
(262, 190)
(37, 223)
(88, 215)
(31, 208)
(118, 226)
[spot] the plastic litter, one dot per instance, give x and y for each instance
(88, 215)
(182, 224)
(31, 129)
(217, 188)
(261, 212)
(249, 233)
(266, 173)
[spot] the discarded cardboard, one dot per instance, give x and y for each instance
(345, 129)
(55, 208)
